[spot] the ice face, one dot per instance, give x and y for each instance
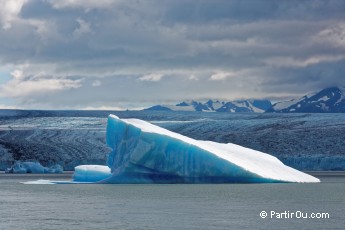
(145, 153)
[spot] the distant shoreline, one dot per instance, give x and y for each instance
(325, 173)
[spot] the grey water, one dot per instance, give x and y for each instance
(171, 206)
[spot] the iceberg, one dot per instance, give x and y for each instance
(91, 173)
(33, 167)
(145, 153)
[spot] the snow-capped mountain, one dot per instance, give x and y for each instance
(329, 100)
(257, 106)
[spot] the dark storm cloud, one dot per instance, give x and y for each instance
(311, 77)
(205, 11)
(60, 51)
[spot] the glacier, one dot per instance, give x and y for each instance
(145, 153)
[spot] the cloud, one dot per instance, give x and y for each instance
(110, 108)
(82, 29)
(7, 107)
(87, 4)
(333, 35)
(17, 74)
(193, 78)
(221, 75)
(96, 83)
(54, 52)
(9, 12)
(27, 86)
(291, 62)
(152, 77)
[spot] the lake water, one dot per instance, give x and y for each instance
(175, 206)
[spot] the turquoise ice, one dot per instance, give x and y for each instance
(145, 153)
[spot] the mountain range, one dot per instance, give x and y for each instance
(243, 106)
(328, 100)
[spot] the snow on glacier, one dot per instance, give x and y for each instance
(145, 153)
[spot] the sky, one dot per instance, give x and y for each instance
(118, 54)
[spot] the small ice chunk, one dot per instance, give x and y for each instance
(39, 182)
(91, 173)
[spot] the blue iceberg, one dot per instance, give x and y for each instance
(91, 173)
(145, 153)
(33, 167)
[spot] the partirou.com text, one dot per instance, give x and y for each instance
(293, 215)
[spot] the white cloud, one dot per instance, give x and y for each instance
(333, 35)
(17, 74)
(7, 107)
(151, 77)
(83, 28)
(86, 4)
(115, 108)
(103, 108)
(193, 78)
(9, 11)
(27, 87)
(221, 75)
(96, 83)
(298, 62)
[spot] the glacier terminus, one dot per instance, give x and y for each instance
(145, 153)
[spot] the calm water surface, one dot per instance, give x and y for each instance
(225, 206)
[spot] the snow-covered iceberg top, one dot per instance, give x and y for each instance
(145, 153)
(91, 173)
